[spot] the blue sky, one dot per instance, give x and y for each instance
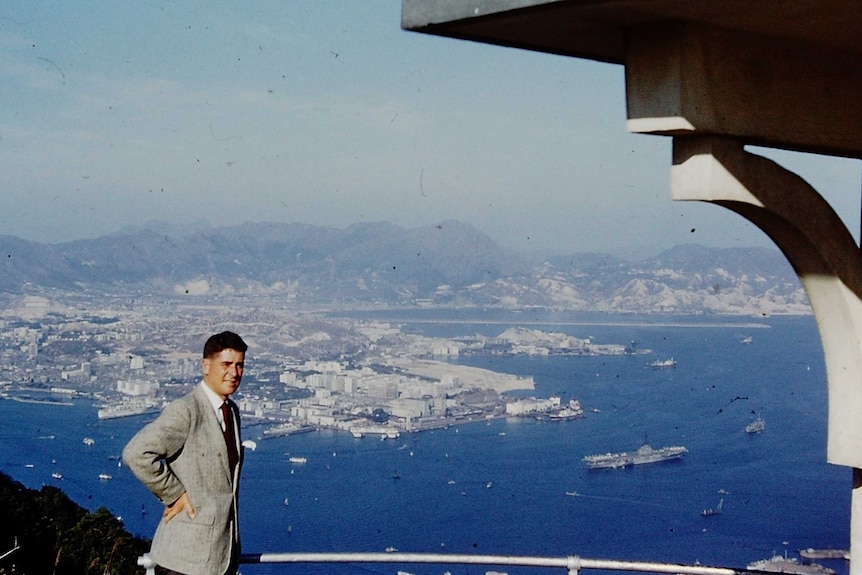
(327, 113)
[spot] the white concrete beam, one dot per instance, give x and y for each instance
(692, 79)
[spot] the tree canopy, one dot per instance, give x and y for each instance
(56, 536)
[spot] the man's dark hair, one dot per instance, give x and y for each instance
(221, 341)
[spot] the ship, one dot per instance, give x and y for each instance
(382, 431)
(565, 414)
(645, 454)
(784, 564)
(755, 426)
(127, 409)
(572, 411)
(663, 363)
(283, 429)
(811, 553)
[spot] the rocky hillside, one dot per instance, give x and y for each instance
(448, 264)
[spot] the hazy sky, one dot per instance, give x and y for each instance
(327, 113)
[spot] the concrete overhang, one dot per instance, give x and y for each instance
(784, 73)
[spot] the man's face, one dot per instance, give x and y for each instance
(223, 371)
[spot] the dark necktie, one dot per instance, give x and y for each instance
(229, 436)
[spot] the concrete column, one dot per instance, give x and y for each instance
(855, 520)
(824, 255)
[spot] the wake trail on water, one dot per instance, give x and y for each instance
(627, 500)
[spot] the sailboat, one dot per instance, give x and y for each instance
(713, 511)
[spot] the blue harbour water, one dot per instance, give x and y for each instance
(505, 486)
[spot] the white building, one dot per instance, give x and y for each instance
(382, 386)
(137, 387)
(532, 405)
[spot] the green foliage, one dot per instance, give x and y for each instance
(59, 537)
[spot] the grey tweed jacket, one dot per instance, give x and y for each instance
(184, 450)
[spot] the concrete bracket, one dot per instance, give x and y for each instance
(817, 244)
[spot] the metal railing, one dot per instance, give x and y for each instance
(572, 564)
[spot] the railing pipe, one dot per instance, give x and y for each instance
(573, 563)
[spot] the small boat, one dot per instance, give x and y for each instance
(746, 339)
(104, 476)
(663, 363)
(56, 475)
(298, 460)
(713, 511)
(286, 501)
(390, 549)
(755, 426)
(89, 441)
(396, 475)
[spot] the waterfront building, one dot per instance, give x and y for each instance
(532, 405)
(411, 408)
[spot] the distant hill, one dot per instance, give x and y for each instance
(448, 264)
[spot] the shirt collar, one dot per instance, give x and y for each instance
(215, 400)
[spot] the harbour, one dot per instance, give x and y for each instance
(543, 499)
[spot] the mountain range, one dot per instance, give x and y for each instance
(447, 264)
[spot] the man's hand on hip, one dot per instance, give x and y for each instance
(174, 509)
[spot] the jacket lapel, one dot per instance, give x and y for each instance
(215, 434)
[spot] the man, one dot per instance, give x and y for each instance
(190, 458)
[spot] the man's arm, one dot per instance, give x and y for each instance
(149, 452)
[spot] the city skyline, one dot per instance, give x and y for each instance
(332, 115)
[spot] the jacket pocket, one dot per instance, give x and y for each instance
(186, 538)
